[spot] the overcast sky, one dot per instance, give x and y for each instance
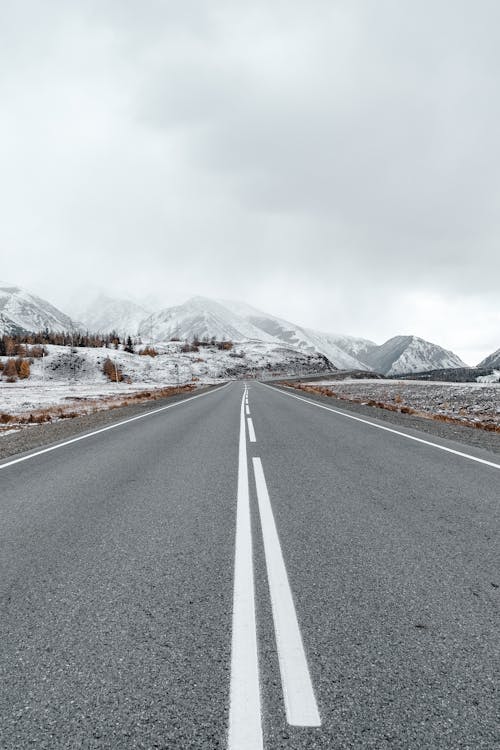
(336, 163)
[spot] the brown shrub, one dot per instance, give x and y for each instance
(10, 371)
(148, 351)
(37, 352)
(23, 368)
(39, 418)
(111, 371)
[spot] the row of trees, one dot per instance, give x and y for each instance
(10, 344)
(32, 344)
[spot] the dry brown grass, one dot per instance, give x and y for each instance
(88, 406)
(325, 391)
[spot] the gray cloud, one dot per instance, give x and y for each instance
(333, 162)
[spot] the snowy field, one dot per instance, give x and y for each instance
(70, 381)
(470, 403)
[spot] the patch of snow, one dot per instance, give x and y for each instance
(493, 377)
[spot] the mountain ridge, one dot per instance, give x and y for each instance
(23, 312)
(202, 317)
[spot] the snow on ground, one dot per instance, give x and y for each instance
(473, 403)
(493, 377)
(72, 378)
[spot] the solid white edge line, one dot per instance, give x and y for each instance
(386, 429)
(251, 430)
(105, 429)
(300, 702)
(245, 724)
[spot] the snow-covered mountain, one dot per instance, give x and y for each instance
(492, 360)
(227, 319)
(403, 354)
(340, 350)
(22, 312)
(105, 314)
(201, 317)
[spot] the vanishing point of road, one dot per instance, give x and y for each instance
(249, 569)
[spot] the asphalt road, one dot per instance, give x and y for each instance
(306, 580)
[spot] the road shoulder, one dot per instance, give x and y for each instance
(459, 434)
(30, 438)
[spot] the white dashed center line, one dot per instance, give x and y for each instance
(251, 431)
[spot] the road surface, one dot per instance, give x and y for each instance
(247, 569)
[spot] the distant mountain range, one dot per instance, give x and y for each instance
(235, 320)
(201, 317)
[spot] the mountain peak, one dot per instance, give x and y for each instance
(22, 311)
(409, 353)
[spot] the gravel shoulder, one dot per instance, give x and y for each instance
(42, 435)
(468, 436)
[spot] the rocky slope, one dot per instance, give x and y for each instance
(492, 360)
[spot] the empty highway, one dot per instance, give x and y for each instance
(247, 569)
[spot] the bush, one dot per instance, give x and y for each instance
(111, 371)
(37, 352)
(10, 371)
(148, 351)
